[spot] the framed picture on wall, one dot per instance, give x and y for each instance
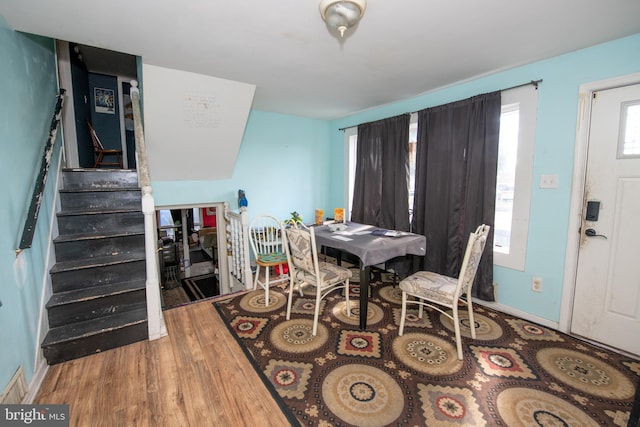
(104, 100)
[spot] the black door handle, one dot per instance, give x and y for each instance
(593, 233)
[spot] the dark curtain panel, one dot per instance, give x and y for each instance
(455, 188)
(381, 190)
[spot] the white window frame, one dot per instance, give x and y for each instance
(527, 98)
(350, 149)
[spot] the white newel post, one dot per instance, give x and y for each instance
(155, 320)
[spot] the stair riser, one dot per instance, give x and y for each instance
(92, 248)
(99, 223)
(99, 307)
(117, 316)
(100, 200)
(70, 350)
(78, 279)
(101, 178)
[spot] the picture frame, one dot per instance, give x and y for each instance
(104, 100)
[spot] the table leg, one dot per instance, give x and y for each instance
(365, 276)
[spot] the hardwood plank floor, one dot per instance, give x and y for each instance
(196, 376)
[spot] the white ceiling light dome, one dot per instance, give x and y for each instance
(342, 14)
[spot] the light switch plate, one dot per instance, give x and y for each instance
(549, 181)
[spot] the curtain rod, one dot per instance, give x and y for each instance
(534, 83)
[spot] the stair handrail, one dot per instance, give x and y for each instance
(36, 199)
(155, 319)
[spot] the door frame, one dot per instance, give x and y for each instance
(585, 94)
(221, 225)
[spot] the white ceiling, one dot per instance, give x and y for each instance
(400, 49)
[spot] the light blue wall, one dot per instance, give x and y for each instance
(283, 165)
(554, 153)
(27, 96)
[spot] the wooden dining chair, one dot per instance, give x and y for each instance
(436, 290)
(101, 152)
(265, 232)
(304, 268)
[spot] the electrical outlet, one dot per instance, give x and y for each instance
(549, 181)
(536, 284)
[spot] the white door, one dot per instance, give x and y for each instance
(607, 292)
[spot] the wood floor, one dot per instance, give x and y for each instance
(196, 376)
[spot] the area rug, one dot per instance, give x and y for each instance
(201, 287)
(515, 373)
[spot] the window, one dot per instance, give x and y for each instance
(413, 138)
(165, 222)
(629, 144)
(351, 146)
(506, 177)
(514, 176)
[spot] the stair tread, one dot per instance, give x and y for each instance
(87, 328)
(101, 190)
(77, 212)
(93, 236)
(96, 262)
(93, 292)
(97, 170)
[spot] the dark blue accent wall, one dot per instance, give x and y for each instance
(80, 81)
(107, 125)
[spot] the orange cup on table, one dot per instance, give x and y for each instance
(338, 214)
(319, 216)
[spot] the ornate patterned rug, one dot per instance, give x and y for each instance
(516, 373)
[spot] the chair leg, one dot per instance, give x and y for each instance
(290, 299)
(266, 286)
(403, 314)
(283, 276)
(316, 313)
(346, 297)
(255, 280)
(456, 326)
(472, 322)
(98, 161)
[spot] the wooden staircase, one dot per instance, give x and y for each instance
(98, 281)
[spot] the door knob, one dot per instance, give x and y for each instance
(593, 233)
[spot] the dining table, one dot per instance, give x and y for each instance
(372, 245)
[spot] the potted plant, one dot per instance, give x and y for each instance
(295, 218)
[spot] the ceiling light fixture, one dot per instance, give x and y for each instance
(342, 14)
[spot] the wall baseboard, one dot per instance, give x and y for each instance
(515, 312)
(36, 382)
